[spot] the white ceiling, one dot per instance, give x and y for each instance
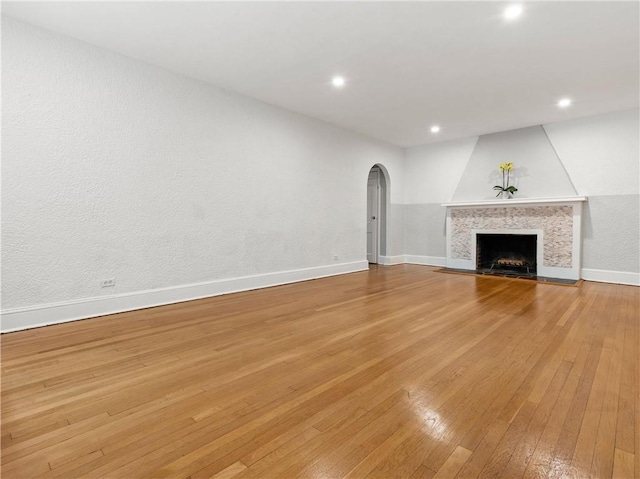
(408, 65)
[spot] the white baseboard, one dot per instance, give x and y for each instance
(42, 315)
(604, 276)
(426, 260)
(391, 260)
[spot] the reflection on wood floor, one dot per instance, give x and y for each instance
(396, 372)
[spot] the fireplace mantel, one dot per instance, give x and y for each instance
(518, 201)
(556, 222)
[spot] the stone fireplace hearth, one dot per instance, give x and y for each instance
(555, 223)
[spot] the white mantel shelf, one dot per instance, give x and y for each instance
(518, 201)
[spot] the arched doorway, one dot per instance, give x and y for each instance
(377, 195)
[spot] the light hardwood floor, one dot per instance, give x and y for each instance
(401, 371)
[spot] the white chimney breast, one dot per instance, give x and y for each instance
(537, 173)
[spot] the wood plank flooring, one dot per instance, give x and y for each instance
(397, 372)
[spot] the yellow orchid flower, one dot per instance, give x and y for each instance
(507, 166)
(503, 168)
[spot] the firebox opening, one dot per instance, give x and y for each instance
(507, 254)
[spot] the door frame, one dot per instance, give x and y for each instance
(382, 197)
(373, 256)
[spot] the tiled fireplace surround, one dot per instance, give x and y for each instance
(556, 222)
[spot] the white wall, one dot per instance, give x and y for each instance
(432, 173)
(116, 168)
(537, 171)
(601, 156)
(601, 153)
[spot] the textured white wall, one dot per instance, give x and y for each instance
(115, 168)
(432, 172)
(602, 156)
(601, 153)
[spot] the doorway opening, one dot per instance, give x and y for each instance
(377, 195)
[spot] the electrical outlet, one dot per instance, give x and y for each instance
(107, 283)
(335, 257)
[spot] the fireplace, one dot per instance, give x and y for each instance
(556, 225)
(507, 254)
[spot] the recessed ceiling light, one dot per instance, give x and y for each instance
(565, 102)
(512, 12)
(435, 129)
(338, 81)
